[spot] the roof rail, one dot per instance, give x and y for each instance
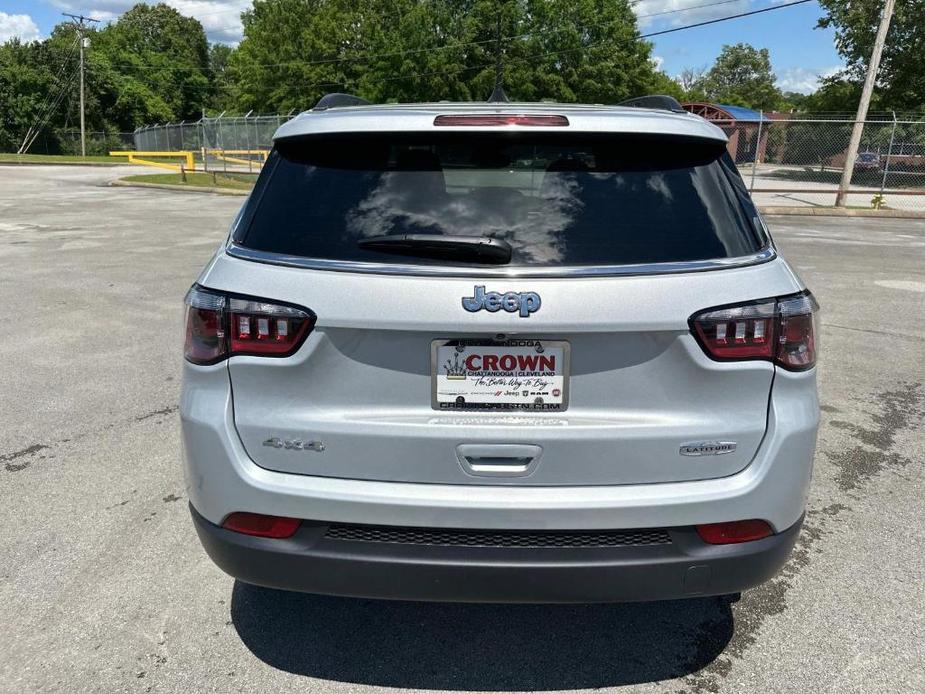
(338, 100)
(656, 101)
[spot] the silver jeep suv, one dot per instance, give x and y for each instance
(499, 352)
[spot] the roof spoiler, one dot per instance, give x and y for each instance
(338, 100)
(660, 102)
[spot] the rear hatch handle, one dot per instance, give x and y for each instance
(498, 459)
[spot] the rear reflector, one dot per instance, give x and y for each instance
(734, 532)
(259, 525)
(499, 119)
(218, 326)
(778, 330)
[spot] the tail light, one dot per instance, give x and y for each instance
(779, 330)
(260, 525)
(734, 532)
(219, 326)
(205, 327)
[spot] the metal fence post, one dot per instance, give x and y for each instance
(889, 154)
(220, 140)
(751, 186)
(200, 139)
(247, 144)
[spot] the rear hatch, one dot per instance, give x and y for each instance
(571, 362)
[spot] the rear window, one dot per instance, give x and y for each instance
(557, 200)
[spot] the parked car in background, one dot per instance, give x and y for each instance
(867, 161)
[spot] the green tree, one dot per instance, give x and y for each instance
(837, 94)
(796, 101)
(901, 78)
(742, 76)
(25, 84)
(294, 51)
(152, 65)
(222, 76)
(156, 60)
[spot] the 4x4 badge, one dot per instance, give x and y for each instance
(523, 302)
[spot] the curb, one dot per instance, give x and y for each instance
(783, 211)
(63, 163)
(185, 189)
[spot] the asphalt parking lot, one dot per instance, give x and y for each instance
(104, 587)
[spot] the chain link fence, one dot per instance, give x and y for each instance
(227, 144)
(798, 162)
(786, 160)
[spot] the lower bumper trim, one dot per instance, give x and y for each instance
(310, 562)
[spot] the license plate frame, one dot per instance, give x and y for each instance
(516, 343)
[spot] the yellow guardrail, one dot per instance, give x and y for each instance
(223, 155)
(143, 159)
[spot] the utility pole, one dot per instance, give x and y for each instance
(79, 24)
(872, 68)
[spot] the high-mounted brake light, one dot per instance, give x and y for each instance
(219, 326)
(501, 119)
(779, 330)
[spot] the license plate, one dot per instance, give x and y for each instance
(521, 374)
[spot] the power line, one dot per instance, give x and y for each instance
(42, 121)
(56, 80)
(51, 101)
(726, 19)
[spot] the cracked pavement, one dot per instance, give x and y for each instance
(104, 587)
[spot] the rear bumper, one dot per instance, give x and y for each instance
(311, 562)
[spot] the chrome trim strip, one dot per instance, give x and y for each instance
(763, 256)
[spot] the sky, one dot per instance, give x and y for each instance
(800, 53)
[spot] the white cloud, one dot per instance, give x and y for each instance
(19, 25)
(657, 61)
(802, 79)
(220, 18)
(678, 12)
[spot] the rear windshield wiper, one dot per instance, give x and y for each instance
(473, 248)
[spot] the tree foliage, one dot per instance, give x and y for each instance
(837, 94)
(152, 65)
(155, 65)
(741, 76)
(294, 51)
(901, 78)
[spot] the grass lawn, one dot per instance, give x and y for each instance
(197, 179)
(60, 159)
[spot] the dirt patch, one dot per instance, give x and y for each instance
(28, 453)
